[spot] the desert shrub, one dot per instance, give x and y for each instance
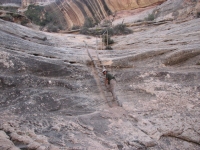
(106, 23)
(89, 23)
(121, 29)
(84, 31)
(8, 17)
(198, 14)
(33, 13)
(139, 20)
(95, 32)
(39, 16)
(16, 15)
(108, 47)
(9, 8)
(110, 31)
(52, 28)
(106, 39)
(150, 17)
(75, 27)
(51, 18)
(24, 21)
(116, 30)
(87, 31)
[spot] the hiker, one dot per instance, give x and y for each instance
(110, 82)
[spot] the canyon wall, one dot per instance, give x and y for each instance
(74, 12)
(53, 97)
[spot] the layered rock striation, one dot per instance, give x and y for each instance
(75, 12)
(50, 97)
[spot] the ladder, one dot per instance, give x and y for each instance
(98, 68)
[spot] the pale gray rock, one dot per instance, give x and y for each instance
(50, 97)
(5, 142)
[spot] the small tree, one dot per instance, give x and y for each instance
(34, 13)
(40, 16)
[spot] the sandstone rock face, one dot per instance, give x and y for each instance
(74, 12)
(130, 4)
(50, 98)
(181, 10)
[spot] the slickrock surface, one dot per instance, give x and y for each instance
(50, 98)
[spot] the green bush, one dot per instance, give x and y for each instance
(121, 29)
(116, 30)
(139, 20)
(52, 28)
(107, 40)
(75, 27)
(84, 31)
(9, 8)
(39, 16)
(150, 17)
(106, 23)
(198, 14)
(8, 18)
(24, 21)
(33, 13)
(108, 47)
(89, 23)
(16, 15)
(110, 31)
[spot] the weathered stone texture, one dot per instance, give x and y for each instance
(74, 12)
(114, 5)
(50, 97)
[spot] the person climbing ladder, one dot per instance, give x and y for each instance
(110, 83)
